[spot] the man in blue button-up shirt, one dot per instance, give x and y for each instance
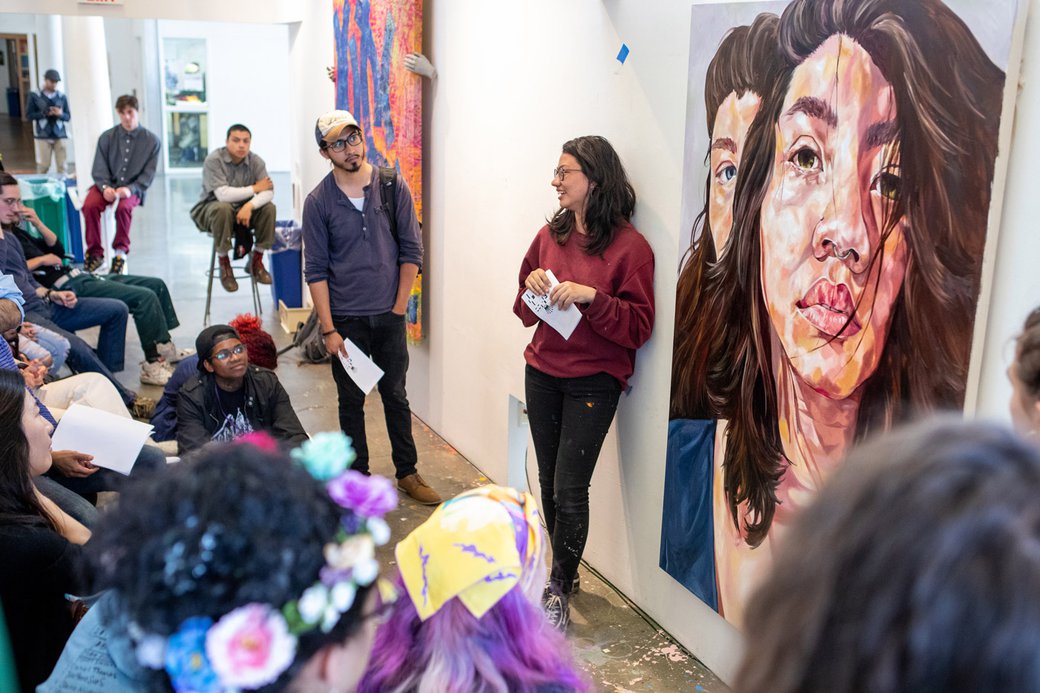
(360, 272)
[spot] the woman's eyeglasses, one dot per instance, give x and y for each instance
(353, 139)
(225, 354)
(561, 172)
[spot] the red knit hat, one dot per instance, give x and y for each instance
(259, 344)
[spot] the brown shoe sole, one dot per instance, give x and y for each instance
(420, 502)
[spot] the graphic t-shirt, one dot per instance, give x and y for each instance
(231, 407)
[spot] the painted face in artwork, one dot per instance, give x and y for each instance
(833, 236)
(728, 135)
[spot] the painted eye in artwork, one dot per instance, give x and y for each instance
(888, 185)
(806, 159)
(725, 173)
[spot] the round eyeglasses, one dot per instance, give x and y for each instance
(353, 139)
(561, 172)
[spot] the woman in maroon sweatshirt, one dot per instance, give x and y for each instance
(605, 268)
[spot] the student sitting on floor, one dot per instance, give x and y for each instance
(260, 348)
(39, 543)
(73, 477)
(474, 573)
(147, 298)
(228, 397)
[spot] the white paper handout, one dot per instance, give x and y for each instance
(113, 440)
(361, 369)
(563, 321)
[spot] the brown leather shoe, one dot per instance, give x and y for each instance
(227, 274)
(419, 490)
(256, 268)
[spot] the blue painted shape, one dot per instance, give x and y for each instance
(687, 526)
(622, 55)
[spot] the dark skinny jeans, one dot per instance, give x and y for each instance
(569, 419)
(383, 338)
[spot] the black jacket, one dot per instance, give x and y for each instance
(267, 407)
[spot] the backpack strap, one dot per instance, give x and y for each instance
(388, 183)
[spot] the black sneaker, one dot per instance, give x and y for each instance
(557, 610)
(118, 265)
(93, 263)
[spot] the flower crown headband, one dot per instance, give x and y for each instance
(252, 645)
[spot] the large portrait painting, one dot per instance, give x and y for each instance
(372, 39)
(841, 186)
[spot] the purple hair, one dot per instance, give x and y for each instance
(512, 648)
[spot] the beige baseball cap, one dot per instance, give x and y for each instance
(331, 124)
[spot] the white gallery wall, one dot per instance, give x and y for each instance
(515, 81)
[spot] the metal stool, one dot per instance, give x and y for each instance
(213, 270)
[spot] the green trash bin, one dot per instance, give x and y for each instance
(46, 196)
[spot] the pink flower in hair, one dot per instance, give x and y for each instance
(250, 647)
(260, 439)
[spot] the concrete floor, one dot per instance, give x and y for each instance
(613, 643)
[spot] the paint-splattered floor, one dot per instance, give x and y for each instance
(616, 647)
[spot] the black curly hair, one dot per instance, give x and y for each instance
(230, 525)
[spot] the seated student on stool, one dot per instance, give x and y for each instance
(147, 298)
(229, 397)
(236, 190)
(124, 166)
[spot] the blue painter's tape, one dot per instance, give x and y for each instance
(622, 55)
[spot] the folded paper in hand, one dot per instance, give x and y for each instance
(114, 441)
(563, 321)
(361, 369)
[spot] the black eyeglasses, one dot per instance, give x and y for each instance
(353, 139)
(225, 354)
(561, 172)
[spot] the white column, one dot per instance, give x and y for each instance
(88, 88)
(49, 47)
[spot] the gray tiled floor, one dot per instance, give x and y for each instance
(617, 648)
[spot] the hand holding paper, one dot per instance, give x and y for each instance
(106, 439)
(361, 369)
(562, 320)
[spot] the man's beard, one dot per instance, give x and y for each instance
(348, 166)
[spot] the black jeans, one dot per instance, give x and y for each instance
(382, 337)
(569, 419)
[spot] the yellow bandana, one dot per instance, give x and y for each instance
(470, 548)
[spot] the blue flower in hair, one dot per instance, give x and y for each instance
(186, 661)
(326, 455)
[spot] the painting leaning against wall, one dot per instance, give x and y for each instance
(840, 170)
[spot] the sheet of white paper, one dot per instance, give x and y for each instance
(114, 441)
(361, 369)
(563, 321)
